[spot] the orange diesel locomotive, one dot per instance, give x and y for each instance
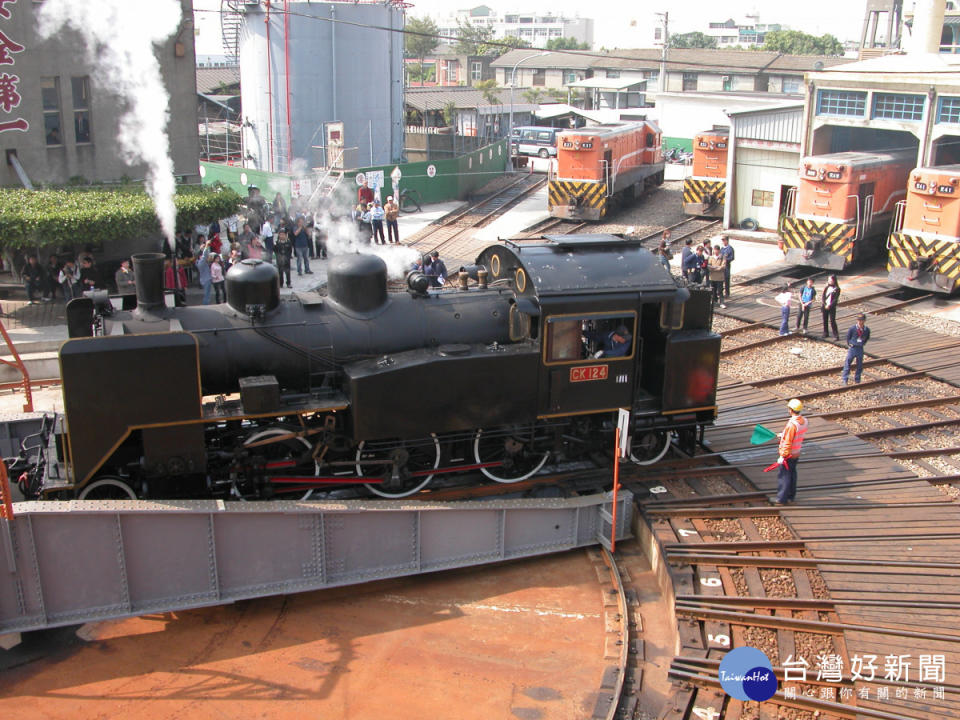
(843, 201)
(924, 243)
(705, 191)
(603, 164)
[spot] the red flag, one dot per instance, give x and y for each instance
(771, 467)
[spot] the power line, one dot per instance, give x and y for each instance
(576, 53)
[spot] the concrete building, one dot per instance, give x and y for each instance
(762, 161)
(451, 69)
(57, 122)
(748, 33)
(320, 76)
(537, 28)
(687, 70)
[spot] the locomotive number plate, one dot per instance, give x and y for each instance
(589, 372)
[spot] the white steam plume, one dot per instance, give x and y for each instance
(120, 36)
(342, 238)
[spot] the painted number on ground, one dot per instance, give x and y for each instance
(705, 713)
(658, 490)
(686, 533)
(723, 640)
(711, 582)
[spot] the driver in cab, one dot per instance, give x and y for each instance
(613, 343)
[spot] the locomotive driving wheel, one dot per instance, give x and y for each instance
(108, 487)
(649, 447)
(285, 450)
(512, 454)
(403, 467)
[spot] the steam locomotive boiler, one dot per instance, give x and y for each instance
(263, 397)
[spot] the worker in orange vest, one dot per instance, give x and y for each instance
(791, 441)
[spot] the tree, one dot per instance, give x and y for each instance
(794, 42)
(512, 41)
(474, 40)
(489, 90)
(450, 113)
(694, 39)
(420, 73)
(534, 95)
(420, 38)
(566, 44)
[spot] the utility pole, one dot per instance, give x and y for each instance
(665, 16)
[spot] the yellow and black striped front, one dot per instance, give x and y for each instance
(581, 199)
(928, 264)
(820, 244)
(704, 196)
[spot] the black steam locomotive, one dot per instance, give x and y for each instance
(510, 365)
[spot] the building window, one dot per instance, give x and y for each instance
(613, 74)
(690, 81)
(539, 77)
(652, 77)
(897, 106)
(52, 122)
(572, 77)
(949, 110)
(791, 85)
(841, 102)
(762, 198)
(81, 108)
(476, 71)
(727, 83)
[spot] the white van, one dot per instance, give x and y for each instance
(533, 140)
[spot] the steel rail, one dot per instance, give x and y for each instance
(759, 545)
(769, 510)
(767, 561)
(622, 609)
(770, 603)
(824, 627)
(905, 429)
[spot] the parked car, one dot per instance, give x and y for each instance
(534, 140)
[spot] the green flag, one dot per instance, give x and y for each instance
(761, 435)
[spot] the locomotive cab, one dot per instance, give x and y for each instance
(704, 192)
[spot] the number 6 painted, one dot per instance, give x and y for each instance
(711, 582)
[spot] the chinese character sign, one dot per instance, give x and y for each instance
(9, 92)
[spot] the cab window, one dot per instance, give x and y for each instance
(546, 137)
(595, 336)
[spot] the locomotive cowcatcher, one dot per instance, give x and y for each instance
(924, 243)
(842, 207)
(263, 397)
(705, 191)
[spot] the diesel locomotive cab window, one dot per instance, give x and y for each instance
(574, 339)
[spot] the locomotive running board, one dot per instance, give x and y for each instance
(78, 561)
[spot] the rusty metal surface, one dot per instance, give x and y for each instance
(517, 640)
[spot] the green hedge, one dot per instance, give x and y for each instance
(40, 218)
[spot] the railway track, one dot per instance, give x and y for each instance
(442, 234)
(861, 566)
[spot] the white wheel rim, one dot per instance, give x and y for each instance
(659, 456)
(108, 482)
(273, 432)
(489, 474)
(377, 490)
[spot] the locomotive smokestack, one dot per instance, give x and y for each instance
(148, 276)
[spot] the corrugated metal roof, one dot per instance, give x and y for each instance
(776, 124)
(690, 60)
(209, 79)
